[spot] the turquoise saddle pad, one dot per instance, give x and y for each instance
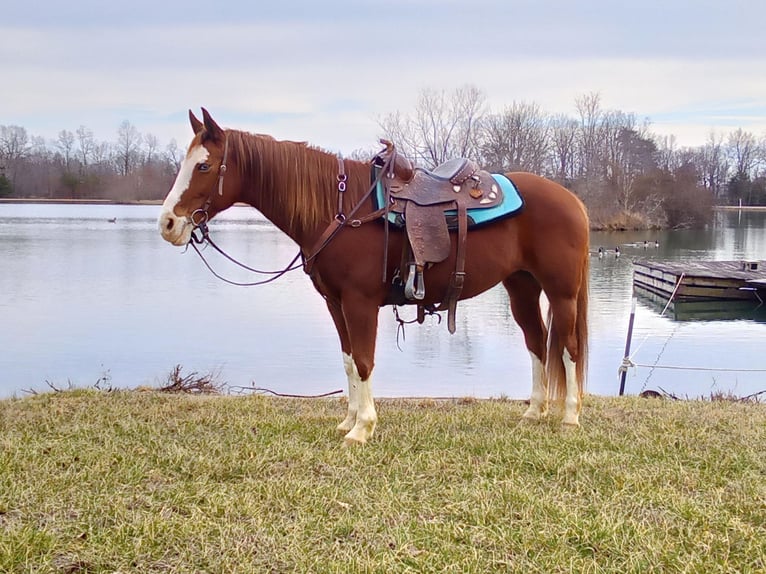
(511, 205)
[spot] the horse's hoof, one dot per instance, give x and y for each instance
(359, 434)
(534, 416)
(569, 427)
(344, 428)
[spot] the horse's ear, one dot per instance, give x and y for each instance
(214, 131)
(195, 123)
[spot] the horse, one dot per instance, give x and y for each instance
(545, 248)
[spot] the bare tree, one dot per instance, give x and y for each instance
(443, 127)
(402, 130)
(611, 151)
(743, 150)
(668, 156)
(14, 142)
(761, 156)
(40, 177)
(127, 148)
(85, 143)
(14, 148)
(174, 156)
(636, 158)
(65, 145)
(101, 156)
(151, 143)
(563, 147)
(468, 107)
(714, 165)
(516, 139)
(589, 108)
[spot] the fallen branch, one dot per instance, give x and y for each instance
(261, 390)
(193, 383)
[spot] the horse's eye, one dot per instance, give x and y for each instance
(204, 167)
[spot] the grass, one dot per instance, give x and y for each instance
(127, 481)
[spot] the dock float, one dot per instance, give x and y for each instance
(702, 280)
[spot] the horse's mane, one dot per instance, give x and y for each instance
(293, 179)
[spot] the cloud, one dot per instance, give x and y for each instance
(325, 72)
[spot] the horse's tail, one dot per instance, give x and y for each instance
(581, 323)
(555, 371)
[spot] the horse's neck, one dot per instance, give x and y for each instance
(303, 224)
(253, 195)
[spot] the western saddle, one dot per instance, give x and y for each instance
(431, 204)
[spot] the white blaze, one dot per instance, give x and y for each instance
(198, 154)
(174, 228)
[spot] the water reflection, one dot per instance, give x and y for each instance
(83, 296)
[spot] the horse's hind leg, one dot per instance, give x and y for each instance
(565, 344)
(524, 292)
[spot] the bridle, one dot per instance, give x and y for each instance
(201, 224)
(200, 217)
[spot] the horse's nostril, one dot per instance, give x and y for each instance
(169, 224)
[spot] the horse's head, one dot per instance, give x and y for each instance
(199, 191)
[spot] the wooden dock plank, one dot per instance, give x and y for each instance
(704, 309)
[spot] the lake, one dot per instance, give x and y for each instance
(83, 299)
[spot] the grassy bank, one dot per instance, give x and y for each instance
(143, 482)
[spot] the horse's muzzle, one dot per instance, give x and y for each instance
(174, 229)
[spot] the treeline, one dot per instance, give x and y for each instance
(75, 165)
(627, 176)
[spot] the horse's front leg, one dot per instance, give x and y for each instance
(353, 401)
(361, 319)
(348, 365)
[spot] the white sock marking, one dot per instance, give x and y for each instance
(538, 400)
(572, 403)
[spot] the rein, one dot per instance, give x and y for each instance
(200, 217)
(206, 239)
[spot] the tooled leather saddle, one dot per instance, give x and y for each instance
(430, 204)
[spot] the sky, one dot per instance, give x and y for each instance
(328, 71)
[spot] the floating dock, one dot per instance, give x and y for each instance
(702, 280)
(704, 309)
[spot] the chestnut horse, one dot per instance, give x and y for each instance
(295, 186)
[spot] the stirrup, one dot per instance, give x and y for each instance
(415, 287)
